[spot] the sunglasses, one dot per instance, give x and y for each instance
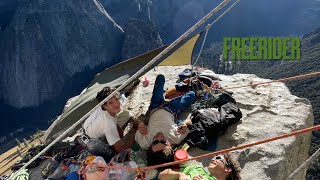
(222, 159)
(157, 142)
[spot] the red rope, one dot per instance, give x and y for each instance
(313, 128)
(140, 169)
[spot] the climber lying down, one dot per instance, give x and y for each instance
(162, 131)
(221, 167)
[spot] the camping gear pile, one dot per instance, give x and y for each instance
(71, 159)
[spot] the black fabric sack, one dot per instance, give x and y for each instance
(206, 125)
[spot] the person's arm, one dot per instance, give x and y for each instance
(188, 122)
(169, 174)
(126, 142)
(144, 136)
(120, 131)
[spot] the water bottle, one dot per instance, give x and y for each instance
(135, 148)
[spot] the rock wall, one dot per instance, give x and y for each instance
(134, 9)
(171, 18)
(268, 111)
(139, 37)
(48, 41)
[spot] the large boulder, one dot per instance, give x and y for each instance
(268, 110)
(48, 41)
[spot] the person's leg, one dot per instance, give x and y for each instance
(157, 94)
(123, 118)
(99, 148)
(178, 104)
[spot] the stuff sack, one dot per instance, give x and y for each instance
(206, 125)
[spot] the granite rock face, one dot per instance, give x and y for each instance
(48, 41)
(171, 18)
(134, 9)
(139, 37)
(268, 111)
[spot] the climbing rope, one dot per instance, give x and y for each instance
(204, 40)
(202, 156)
(198, 157)
(207, 29)
(141, 169)
(304, 165)
(278, 80)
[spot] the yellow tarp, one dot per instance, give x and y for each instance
(183, 55)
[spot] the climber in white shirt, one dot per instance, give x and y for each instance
(105, 123)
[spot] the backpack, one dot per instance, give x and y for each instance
(206, 125)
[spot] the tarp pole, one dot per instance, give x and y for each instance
(137, 74)
(304, 165)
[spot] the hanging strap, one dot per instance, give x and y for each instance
(209, 26)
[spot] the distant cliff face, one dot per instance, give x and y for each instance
(48, 41)
(7, 8)
(139, 37)
(137, 9)
(173, 17)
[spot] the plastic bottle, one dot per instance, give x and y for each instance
(181, 154)
(135, 148)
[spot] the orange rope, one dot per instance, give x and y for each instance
(218, 152)
(141, 169)
(279, 80)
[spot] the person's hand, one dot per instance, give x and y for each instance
(199, 177)
(182, 129)
(184, 177)
(143, 129)
(135, 123)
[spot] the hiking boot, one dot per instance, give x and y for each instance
(52, 166)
